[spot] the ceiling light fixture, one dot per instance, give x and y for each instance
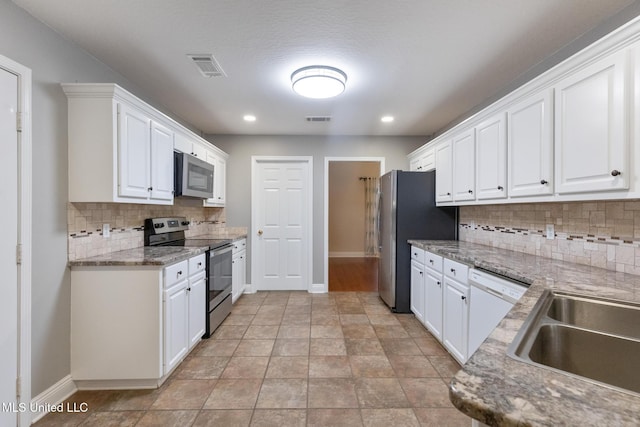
(386, 119)
(249, 118)
(318, 81)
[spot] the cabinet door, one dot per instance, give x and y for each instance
(161, 162)
(530, 146)
(221, 181)
(414, 164)
(444, 173)
(464, 166)
(176, 341)
(491, 159)
(235, 277)
(433, 303)
(197, 292)
(591, 143)
(455, 332)
(199, 151)
(417, 290)
(182, 144)
(133, 152)
(427, 161)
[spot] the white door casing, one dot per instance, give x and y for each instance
(15, 249)
(281, 221)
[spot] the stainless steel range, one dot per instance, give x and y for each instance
(171, 232)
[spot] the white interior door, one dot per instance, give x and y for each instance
(281, 222)
(9, 217)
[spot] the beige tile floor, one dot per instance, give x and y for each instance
(294, 359)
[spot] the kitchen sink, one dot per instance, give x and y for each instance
(595, 339)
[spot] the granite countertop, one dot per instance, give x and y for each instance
(497, 390)
(159, 255)
(234, 237)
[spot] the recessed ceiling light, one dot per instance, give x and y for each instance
(386, 119)
(249, 118)
(318, 81)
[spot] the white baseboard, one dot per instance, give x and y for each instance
(318, 288)
(52, 396)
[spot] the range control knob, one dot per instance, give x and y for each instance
(185, 223)
(159, 225)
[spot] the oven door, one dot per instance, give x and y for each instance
(219, 275)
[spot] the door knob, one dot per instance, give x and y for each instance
(260, 232)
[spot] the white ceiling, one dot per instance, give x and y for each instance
(426, 62)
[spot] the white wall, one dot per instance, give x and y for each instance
(242, 147)
(52, 60)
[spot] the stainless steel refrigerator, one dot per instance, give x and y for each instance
(408, 211)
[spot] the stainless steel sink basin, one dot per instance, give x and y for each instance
(597, 314)
(595, 339)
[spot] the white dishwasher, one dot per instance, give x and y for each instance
(491, 299)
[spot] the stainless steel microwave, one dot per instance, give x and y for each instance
(192, 177)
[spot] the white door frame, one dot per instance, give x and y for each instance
(255, 160)
(24, 233)
(327, 160)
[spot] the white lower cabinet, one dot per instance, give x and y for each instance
(239, 269)
(455, 333)
(417, 290)
(442, 285)
(176, 312)
(131, 326)
(433, 303)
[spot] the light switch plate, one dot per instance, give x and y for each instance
(106, 230)
(550, 232)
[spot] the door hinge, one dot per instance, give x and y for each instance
(19, 121)
(18, 254)
(18, 387)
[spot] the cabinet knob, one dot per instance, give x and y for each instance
(431, 261)
(438, 283)
(448, 194)
(544, 182)
(189, 289)
(470, 191)
(199, 264)
(180, 273)
(453, 270)
(150, 189)
(421, 273)
(463, 298)
(500, 187)
(615, 172)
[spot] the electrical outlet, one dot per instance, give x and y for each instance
(550, 232)
(106, 230)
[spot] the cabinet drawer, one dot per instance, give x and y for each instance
(197, 264)
(433, 261)
(417, 254)
(175, 273)
(239, 245)
(456, 270)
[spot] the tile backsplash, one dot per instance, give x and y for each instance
(601, 234)
(126, 221)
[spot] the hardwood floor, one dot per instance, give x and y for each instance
(353, 274)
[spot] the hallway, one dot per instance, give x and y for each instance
(353, 274)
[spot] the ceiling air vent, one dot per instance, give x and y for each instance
(318, 118)
(207, 65)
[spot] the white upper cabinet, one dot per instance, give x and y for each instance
(161, 162)
(530, 146)
(423, 161)
(134, 149)
(120, 148)
(219, 179)
(464, 166)
(491, 158)
(591, 143)
(444, 172)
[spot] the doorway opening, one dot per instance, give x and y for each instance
(351, 224)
